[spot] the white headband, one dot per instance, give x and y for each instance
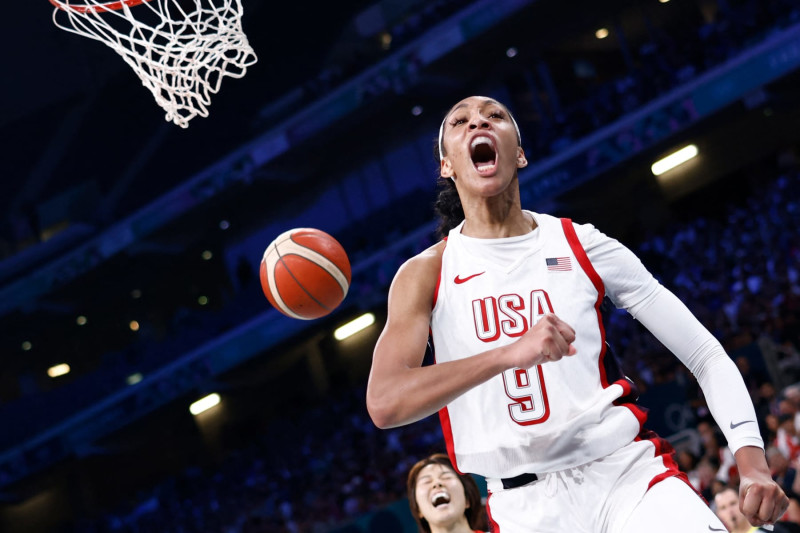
(441, 135)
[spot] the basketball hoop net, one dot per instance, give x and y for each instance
(181, 49)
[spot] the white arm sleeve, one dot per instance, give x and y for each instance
(728, 400)
(631, 286)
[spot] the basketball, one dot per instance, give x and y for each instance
(305, 273)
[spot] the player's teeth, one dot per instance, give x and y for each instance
(480, 140)
(485, 167)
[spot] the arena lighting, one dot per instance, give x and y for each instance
(204, 404)
(602, 33)
(58, 370)
(133, 379)
(354, 326)
(386, 40)
(674, 159)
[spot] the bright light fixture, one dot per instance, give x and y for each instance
(58, 370)
(354, 326)
(133, 379)
(204, 404)
(602, 33)
(674, 159)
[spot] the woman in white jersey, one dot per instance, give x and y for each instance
(525, 393)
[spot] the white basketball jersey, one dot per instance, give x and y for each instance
(549, 417)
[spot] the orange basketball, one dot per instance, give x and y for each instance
(305, 273)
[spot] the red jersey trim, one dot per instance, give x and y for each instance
(444, 415)
(638, 412)
(444, 420)
(594, 277)
(494, 527)
(447, 433)
(438, 280)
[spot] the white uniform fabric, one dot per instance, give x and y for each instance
(561, 415)
(609, 495)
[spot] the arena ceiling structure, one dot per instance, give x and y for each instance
(112, 216)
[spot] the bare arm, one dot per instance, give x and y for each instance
(401, 391)
(761, 500)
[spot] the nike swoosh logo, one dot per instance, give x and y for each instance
(715, 529)
(734, 426)
(459, 280)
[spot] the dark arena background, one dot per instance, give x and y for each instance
(130, 247)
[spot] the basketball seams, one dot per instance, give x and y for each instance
(299, 284)
(271, 261)
(295, 264)
(322, 243)
(292, 248)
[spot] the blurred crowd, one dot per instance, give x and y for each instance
(738, 271)
(574, 110)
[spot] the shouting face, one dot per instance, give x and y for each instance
(480, 143)
(440, 496)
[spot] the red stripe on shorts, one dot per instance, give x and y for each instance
(667, 453)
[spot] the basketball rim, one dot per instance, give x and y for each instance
(97, 8)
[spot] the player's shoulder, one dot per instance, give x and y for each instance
(585, 231)
(428, 261)
(416, 279)
(422, 268)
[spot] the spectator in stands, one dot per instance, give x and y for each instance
(704, 477)
(781, 468)
(787, 440)
(443, 501)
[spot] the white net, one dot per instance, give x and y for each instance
(181, 49)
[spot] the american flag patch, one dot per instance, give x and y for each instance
(559, 264)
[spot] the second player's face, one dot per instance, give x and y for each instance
(481, 144)
(440, 496)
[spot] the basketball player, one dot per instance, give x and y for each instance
(441, 500)
(525, 391)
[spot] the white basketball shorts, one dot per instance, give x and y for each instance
(636, 489)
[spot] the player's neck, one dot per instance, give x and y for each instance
(496, 224)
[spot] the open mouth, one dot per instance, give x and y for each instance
(483, 154)
(440, 498)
